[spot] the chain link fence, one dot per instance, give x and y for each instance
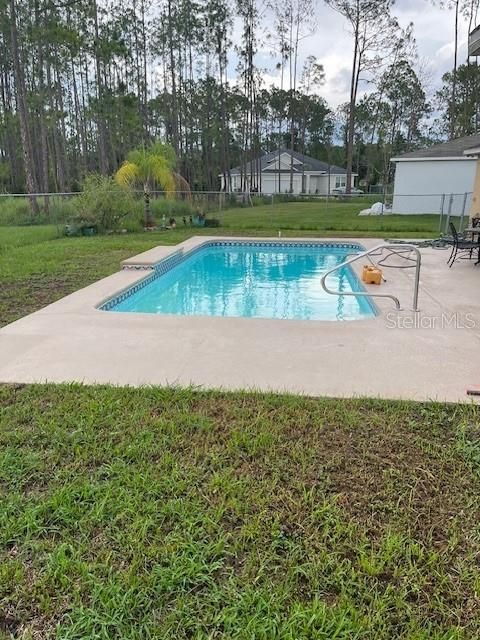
(255, 210)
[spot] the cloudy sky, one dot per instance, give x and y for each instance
(332, 45)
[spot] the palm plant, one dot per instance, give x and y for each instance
(147, 167)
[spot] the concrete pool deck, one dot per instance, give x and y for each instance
(433, 355)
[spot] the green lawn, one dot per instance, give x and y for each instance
(160, 513)
(327, 218)
(164, 513)
(38, 266)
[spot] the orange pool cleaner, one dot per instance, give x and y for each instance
(371, 275)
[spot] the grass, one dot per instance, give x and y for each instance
(38, 266)
(15, 237)
(160, 513)
(330, 218)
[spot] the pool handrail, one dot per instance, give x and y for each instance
(367, 254)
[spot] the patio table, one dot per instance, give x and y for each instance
(474, 231)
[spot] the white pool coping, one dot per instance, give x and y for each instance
(72, 340)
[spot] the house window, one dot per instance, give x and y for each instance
(340, 181)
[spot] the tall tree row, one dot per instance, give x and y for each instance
(377, 40)
(84, 82)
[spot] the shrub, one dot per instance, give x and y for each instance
(103, 204)
(61, 209)
(16, 211)
(170, 208)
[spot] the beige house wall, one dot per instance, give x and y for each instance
(475, 207)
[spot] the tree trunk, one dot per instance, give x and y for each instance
(144, 73)
(280, 120)
(10, 133)
(294, 95)
(43, 177)
(102, 131)
(30, 176)
(454, 75)
(79, 124)
(291, 100)
(62, 136)
(148, 221)
(353, 100)
(174, 114)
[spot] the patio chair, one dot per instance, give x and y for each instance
(462, 246)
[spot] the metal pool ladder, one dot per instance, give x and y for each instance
(395, 249)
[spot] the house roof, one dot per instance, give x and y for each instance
(304, 163)
(453, 149)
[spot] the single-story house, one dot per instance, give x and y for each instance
(273, 169)
(440, 176)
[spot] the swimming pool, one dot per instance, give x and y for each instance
(250, 279)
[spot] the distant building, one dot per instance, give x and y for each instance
(474, 43)
(444, 173)
(273, 170)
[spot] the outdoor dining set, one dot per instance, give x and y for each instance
(465, 244)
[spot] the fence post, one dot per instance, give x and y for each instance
(450, 205)
(464, 206)
(442, 209)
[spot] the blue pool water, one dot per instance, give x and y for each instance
(264, 281)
